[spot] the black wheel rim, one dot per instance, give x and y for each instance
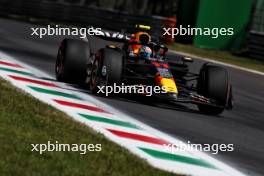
(59, 63)
(94, 73)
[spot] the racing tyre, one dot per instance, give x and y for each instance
(72, 59)
(213, 83)
(106, 69)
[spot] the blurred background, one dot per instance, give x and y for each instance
(246, 17)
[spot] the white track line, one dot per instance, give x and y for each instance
(218, 62)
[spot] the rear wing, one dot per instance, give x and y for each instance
(112, 36)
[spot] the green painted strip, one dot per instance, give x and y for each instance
(16, 71)
(178, 158)
(54, 92)
(110, 121)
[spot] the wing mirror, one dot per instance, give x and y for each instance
(187, 59)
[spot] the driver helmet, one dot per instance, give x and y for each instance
(145, 52)
(142, 37)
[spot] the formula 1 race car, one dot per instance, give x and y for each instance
(140, 61)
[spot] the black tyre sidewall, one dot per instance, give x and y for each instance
(75, 56)
(213, 83)
(112, 59)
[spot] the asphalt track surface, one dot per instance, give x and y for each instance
(243, 126)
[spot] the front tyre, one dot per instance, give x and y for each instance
(214, 83)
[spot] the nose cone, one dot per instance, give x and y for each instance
(169, 85)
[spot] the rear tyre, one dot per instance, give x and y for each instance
(72, 59)
(107, 68)
(213, 83)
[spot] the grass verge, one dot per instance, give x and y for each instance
(25, 121)
(219, 55)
